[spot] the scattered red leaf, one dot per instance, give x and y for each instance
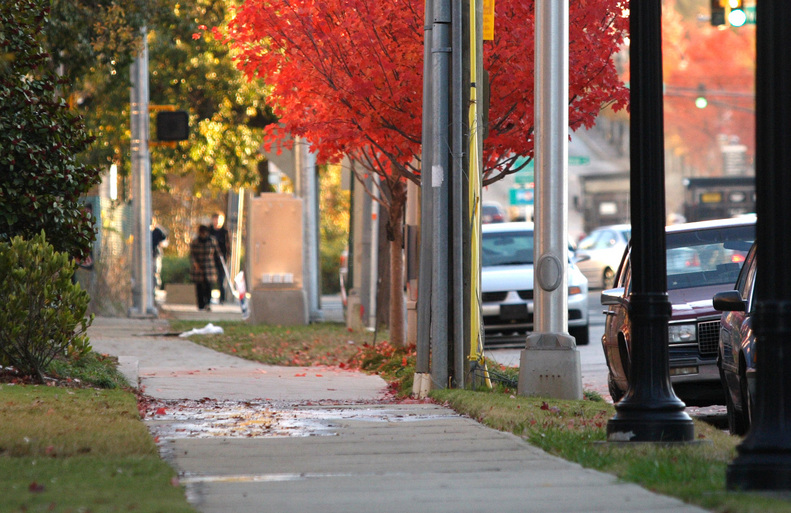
(161, 410)
(544, 406)
(35, 487)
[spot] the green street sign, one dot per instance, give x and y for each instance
(749, 12)
(518, 197)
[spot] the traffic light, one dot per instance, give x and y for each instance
(736, 16)
(717, 12)
(172, 126)
(728, 12)
(701, 101)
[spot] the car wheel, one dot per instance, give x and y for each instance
(615, 392)
(608, 278)
(580, 334)
(736, 421)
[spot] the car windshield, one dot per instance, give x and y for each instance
(507, 248)
(604, 239)
(707, 257)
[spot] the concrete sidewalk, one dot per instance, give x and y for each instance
(246, 437)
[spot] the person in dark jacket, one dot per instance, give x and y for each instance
(203, 272)
(220, 234)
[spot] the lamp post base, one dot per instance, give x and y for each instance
(760, 471)
(650, 426)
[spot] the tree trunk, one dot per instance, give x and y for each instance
(396, 236)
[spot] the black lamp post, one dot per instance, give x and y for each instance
(764, 459)
(650, 411)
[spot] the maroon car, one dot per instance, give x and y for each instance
(703, 258)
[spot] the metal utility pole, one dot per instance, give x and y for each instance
(459, 234)
(307, 186)
(440, 166)
(650, 411)
(764, 459)
(550, 363)
(422, 365)
(142, 258)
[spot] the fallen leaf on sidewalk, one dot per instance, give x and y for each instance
(301, 375)
(161, 411)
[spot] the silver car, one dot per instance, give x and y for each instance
(599, 254)
(507, 286)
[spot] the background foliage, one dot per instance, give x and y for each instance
(41, 180)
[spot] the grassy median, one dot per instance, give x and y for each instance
(573, 430)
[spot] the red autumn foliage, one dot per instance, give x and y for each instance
(696, 54)
(347, 76)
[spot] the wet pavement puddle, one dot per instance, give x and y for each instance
(170, 420)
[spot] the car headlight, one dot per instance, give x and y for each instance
(681, 333)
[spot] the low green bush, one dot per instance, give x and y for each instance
(175, 269)
(42, 312)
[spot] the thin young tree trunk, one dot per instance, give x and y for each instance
(396, 236)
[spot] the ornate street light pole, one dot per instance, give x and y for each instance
(650, 411)
(764, 460)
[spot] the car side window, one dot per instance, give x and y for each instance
(625, 274)
(747, 278)
(608, 239)
(589, 242)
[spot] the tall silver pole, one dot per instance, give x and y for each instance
(551, 250)
(551, 373)
(142, 259)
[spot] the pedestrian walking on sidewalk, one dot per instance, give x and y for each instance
(203, 272)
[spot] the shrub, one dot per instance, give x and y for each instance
(41, 178)
(42, 313)
(175, 269)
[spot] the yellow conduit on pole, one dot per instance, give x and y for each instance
(476, 162)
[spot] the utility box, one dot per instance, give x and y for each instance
(274, 260)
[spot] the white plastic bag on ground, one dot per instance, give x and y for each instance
(209, 329)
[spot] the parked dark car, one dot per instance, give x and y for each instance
(737, 348)
(702, 258)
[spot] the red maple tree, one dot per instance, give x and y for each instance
(346, 75)
(718, 64)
